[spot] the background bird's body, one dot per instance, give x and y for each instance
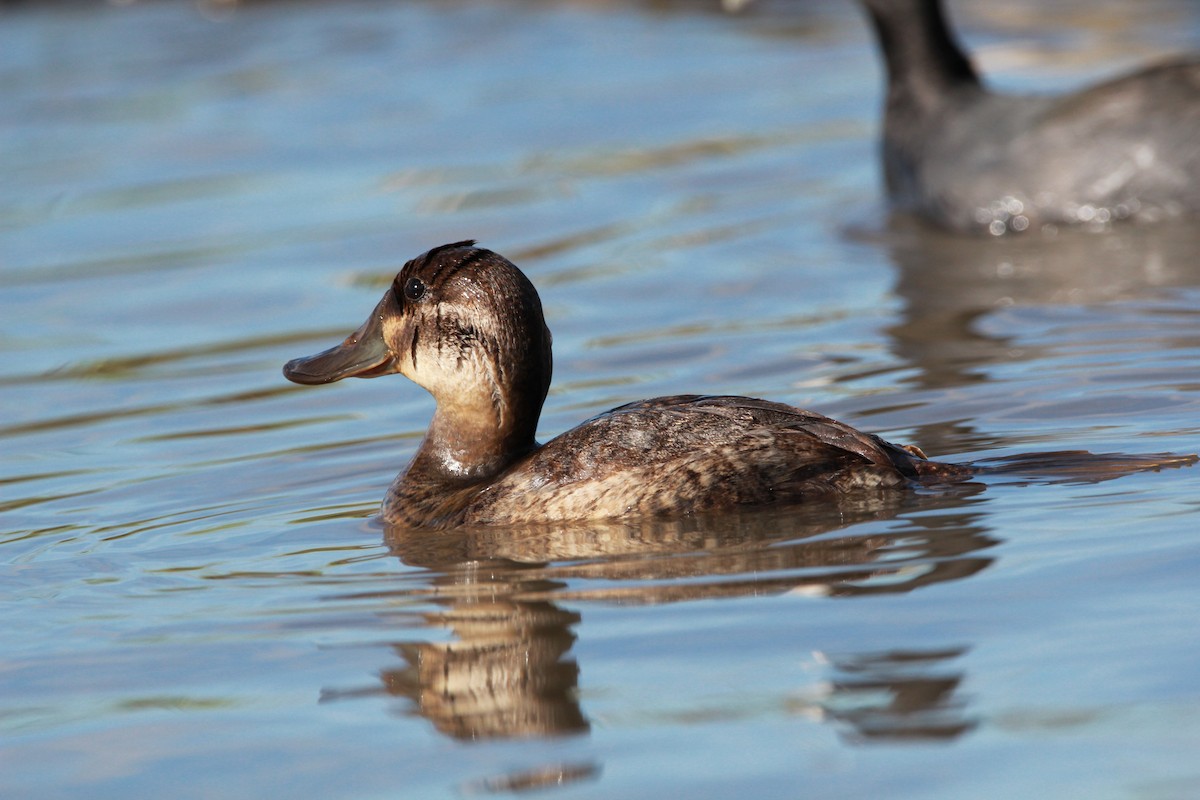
(974, 160)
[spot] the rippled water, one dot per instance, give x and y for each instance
(197, 602)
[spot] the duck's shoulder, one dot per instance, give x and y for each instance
(1168, 90)
(680, 454)
(1174, 78)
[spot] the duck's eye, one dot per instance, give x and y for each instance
(414, 289)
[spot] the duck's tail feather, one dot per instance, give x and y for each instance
(1080, 466)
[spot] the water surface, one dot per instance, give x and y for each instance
(197, 600)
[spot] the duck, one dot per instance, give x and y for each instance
(973, 160)
(466, 324)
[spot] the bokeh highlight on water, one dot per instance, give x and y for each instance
(197, 600)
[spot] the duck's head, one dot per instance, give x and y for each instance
(467, 325)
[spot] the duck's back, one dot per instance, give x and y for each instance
(691, 453)
(1133, 141)
(1125, 148)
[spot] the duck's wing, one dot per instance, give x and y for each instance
(751, 415)
(1170, 89)
(690, 453)
(1140, 129)
(1127, 146)
(1124, 147)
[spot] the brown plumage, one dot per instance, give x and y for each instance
(467, 325)
(671, 456)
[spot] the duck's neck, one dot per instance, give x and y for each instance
(924, 63)
(464, 448)
(472, 439)
(470, 448)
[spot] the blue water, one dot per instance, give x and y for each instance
(196, 600)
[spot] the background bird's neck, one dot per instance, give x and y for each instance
(924, 62)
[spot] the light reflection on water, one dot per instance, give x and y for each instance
(198, 601)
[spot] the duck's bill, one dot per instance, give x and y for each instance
(364, 354)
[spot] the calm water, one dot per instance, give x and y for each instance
(196, 601)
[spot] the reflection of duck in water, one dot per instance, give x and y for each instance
(506, 673)
(467, 325)
(970, 159)
(509, 598)
(907, 695)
